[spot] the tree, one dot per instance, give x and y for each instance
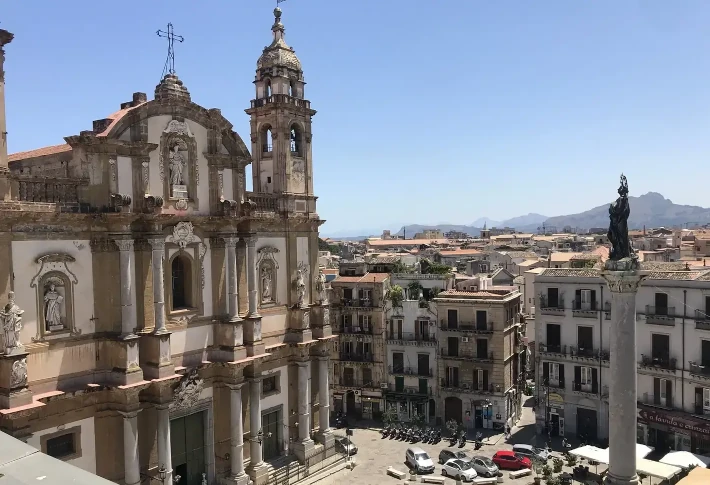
(429, 267)
(400, 267)
(390, 415)
(395, 295)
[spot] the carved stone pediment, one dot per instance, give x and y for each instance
(183, 234)
(187, 392)
(179, 127)
(53, 261)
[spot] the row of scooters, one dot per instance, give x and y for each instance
(411, 434)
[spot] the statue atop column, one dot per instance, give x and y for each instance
(321, 286)
(618, 225)
(11, 320)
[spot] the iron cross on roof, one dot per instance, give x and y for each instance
(172, 37)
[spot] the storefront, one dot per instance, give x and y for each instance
(668, 430)
(555, 414)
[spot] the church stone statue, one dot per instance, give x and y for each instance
(266, 284)
(11, 318)
(300, 286)
(320, 286)
(177, 165)
(53, 308)
(618, 225)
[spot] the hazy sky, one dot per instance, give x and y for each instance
(428, 111)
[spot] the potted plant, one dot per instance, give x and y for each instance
(571, 460)
(546, 472)
(537, 468)
(395, 295)
(557, 465)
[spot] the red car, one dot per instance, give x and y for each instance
(511, 461)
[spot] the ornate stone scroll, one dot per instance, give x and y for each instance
(183, 234)
(188, 390)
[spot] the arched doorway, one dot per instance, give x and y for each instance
(453, 409)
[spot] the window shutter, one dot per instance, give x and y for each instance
(485, 380)
(562, 376)
(594, 299)
(577, 377)
(475, 379)
(545, 372)
(656, 390)
(595, 382)
(578, 295)
(669, 393)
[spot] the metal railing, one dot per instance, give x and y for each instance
(466, 326)
(264, 202)
(410, 371)
(466, 387)
(702, 320)
(52, 190)
(660, 315)
(554, 349)
(357, 303)
(577, 305)
(411, 336)
(468, 355)
(357, 329)
(662, 362)
(583, 351)
(587, 387)
(699, 368)
(369, 384)
(416, 390)
(281, 98)
(354, 357)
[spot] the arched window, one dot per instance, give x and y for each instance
(266, 140)
(182, 282)
(267, 88)
(296, 138)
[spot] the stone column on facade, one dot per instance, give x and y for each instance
(130, 448)
(128, 308)
(323, 394)
(623, 279)
(165, 458)
(232, 287)
(255, 422)
(304, 401)
(158, 255)
(252, 276)
(237, 435)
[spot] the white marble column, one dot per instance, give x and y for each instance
(304, 401)
(252, 275)
(129, 317)
(230, 244)
(158, 256)
(323, 394)
(130, 448)
(255, 421)
(622, 388)
(164, 452)
(236, 428)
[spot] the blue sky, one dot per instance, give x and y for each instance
(428, 111)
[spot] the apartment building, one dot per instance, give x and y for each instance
(481, 356)
(358, 354)
(411, 336)
(673, 347)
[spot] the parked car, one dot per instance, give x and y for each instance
(459, 470)
(446, 455)
(419, 460)
(508, 460)
(344, 445)
(484, 466)
(531, 452)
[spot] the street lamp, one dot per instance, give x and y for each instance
(163, 475)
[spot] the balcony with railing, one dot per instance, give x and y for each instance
(465, 387)
(360, 304)
(552, 308)
(553, 349)
(582, 309)
(583, 353)
(356, 384)
(281, 99)
(263, 202)
(409, 390)
(702, 320)
(658, 315)
(461, 354)
(588, 388)
(411, 338)
(398, 370)
(467, 327)
(355, 357)
(664, 364)
(356, 329)
(700, 370)
(49, 194)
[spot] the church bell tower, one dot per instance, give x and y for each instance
(281, 124)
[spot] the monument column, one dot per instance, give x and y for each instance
(255, 421)
(130, 448)
(237, 435)
(5, 38)
(323, 395)
(232, 300)
(304, 447)
(164, 452)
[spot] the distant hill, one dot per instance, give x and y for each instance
(412, 229)
(531, 219)
(650, 210)
(487, 221)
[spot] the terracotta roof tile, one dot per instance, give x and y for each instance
(39, 152)
(366, 278)
(405, 242)
(459, 252)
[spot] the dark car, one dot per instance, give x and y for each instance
(507, 460)
(345, 446)
(446, 455)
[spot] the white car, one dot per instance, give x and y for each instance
(459, 470)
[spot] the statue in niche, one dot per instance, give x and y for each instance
(300, 285)
(11, 319)
(320, 286)
(267, 278)
(53, 308)
(177, 165)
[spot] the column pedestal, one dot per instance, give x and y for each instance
(13, 380)
(125, 368)
(623, 278)
(155, 348)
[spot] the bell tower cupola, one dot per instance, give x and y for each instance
(281, 122)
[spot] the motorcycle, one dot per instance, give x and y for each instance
(437, 437)
(477, 445)
(384, 432)
(340, 421)
(462, 439)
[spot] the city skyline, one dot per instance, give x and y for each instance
(517, 99)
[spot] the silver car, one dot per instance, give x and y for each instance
(484, 466)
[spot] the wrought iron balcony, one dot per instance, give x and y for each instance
(702, 320)
(658, 362)
(363, 303)
(469, 327)
(465, 387)
(354, 357)
(356, 384)
(700, 369)
(466, 355)
(409, 390)
(586, 352)
(357, 329)
(585, 388)
(553, 349)
(411, 337)
(410, 371)
(553, 307)
(585, 310)
(658, 315)
(263, 202)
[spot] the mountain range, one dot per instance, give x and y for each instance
(648, 210)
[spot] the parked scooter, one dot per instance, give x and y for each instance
(437, 437)
(462, 439)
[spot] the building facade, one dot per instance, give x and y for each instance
(358, 353)
(673, 353)
(411, 346)
(153, 299)
(481, 357)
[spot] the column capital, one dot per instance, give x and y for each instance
(124, 244)
(130, 414)
(302, 363)
(624, 281)
(322, 358)
(157, 243)
(255, 379)
(250, 240)
(236, 387)
(230, 241)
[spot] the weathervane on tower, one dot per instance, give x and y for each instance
(169, 67)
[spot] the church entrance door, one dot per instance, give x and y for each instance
(187, 436)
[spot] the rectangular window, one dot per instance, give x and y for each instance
(660, 348)
(706, 399)
(453, 317)
(553, 298)
(586, 379)
(61, 446)
(270, 384)
(482, 348)
(554, 372)
(365, 323)
(553, 337)
(366, 377)
(348, 376)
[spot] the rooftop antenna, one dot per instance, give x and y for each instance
(169, 67)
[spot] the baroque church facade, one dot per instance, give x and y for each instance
(157, 317)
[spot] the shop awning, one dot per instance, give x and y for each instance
(591, 453)
(656, 469)
(685, 459)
